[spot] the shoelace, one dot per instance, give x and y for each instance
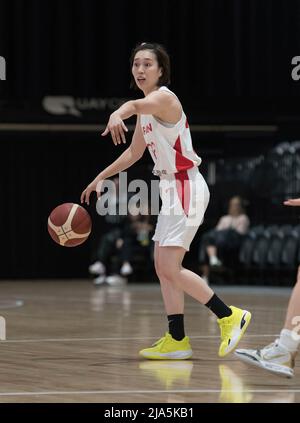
(270, 346)
(160, 341)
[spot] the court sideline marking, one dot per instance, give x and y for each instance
(119, 339)
(149, 391)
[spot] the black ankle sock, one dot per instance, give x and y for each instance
(176, 326)
(218, 307)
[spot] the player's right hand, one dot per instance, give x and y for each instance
(292, 202)
(93, 186)
(116, 127)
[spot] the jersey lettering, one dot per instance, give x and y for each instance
(147, 128)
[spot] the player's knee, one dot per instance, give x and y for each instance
(161, 270)
(168, 272)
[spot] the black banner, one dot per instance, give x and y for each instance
(231, 61)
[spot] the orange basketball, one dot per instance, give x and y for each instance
(69, 224)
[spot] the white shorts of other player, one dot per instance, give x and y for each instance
(185, 197)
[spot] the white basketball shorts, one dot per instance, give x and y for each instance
(185, 197)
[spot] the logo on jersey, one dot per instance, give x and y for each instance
(159, 172)
(151, 146)
(147, 129)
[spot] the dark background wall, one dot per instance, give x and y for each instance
(231, 64)
(223, 53)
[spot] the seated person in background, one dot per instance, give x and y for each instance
(137, 240)
(125, 235)
(110, 243)
(132, 239)
(112, 238)
(225, 239)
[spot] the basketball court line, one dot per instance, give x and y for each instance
(150, 391)
(7, 304)
(154, 288)
(21, 302)
(119, 339)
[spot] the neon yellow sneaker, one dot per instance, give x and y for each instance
(232, 329)
(167, 348)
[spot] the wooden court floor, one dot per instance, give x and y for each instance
(68, 341)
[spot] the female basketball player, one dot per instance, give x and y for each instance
(162, 127)
(279, 356)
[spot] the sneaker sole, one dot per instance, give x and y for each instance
(247, 316)
(276, 369)
(176, 355)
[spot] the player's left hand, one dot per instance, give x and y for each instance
(116, 127)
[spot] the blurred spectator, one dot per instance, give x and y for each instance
(111, 240)
(124, 238)
(221, 244)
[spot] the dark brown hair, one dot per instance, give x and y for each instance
(162, 58)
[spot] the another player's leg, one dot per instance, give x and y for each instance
(279, 356)
(174, 345)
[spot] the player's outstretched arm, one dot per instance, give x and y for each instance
(292, 202)
(153, 104)
(131, 155)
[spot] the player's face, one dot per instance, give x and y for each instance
(146, 70)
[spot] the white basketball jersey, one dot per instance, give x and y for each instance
(170, 145)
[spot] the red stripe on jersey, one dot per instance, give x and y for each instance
(183, 190)
(181, 162)
(186, 124)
